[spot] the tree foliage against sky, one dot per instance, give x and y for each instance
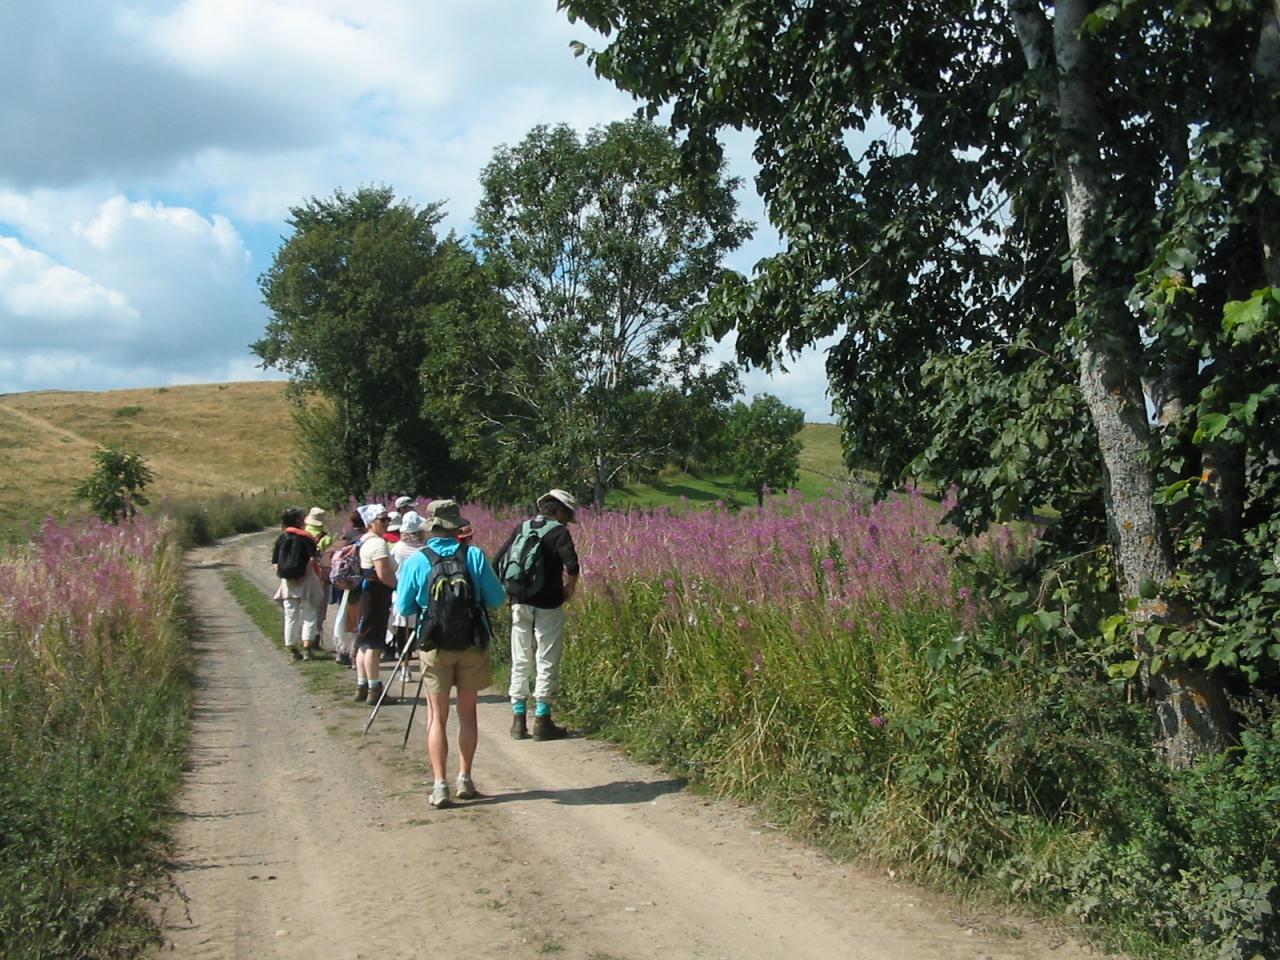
(358, 293)
(602, 249)
(1029, 221)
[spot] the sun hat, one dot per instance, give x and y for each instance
(393, 520)
(444, 516)
(371, 512)
(315, 516)
(562, 497)
(412, 522)
(402, 502)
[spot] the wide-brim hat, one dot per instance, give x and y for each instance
(445, 516)
(393, 520)
(315, 516)
(412, 522)
(562, 497)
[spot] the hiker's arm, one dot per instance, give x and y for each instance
(407, 587)
(569, 557)
(492, 592)
(386, 573)
(570, 585)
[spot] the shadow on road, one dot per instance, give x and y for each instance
(620, 791)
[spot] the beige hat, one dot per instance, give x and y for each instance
(444, 516)
(315, 517)
(563, 497)
(393, 520)
(402, 502)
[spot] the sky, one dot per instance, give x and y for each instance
(150, 151)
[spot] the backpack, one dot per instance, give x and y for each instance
(344, 571)
(524, 570)
(453, 620)
(292, 556)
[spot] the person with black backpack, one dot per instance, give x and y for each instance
(539, 569)
(450, 586)
(300, 593)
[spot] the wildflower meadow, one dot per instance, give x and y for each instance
(94, 703)
(827, 661)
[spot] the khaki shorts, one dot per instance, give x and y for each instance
(465, 669)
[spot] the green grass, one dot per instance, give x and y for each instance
(822, 468)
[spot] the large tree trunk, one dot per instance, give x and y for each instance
(1191, 714)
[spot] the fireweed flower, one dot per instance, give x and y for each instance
(877, 721)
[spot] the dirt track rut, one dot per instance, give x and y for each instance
(298, 839)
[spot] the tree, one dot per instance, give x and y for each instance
(931, 168)
(360, 293)
(765, 444)
(114, 489)
(602, 250)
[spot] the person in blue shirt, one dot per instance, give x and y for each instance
(446, 662)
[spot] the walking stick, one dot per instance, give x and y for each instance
(412, 710)
(387, 686)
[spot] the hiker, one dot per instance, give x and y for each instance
(540, 573)
(450, 584)
(404, 505)
(314, 525)
(413, 536)
(300, 592)
(377, 580)
(392, 535)
(347, 619)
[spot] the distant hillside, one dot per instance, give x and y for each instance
(200, 440)
(212, 439)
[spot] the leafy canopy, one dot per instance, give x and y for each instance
(602, 249)
(115, 488)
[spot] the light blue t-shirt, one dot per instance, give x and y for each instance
(411, 584)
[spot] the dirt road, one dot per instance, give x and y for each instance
(298, 839)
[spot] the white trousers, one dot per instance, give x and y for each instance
(537, 638)
(301, 621)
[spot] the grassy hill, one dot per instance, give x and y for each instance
(201, 441)
(207, 440)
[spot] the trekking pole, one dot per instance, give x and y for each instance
(386, 687)
(412, 710)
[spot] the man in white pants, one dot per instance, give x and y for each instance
(537, 612)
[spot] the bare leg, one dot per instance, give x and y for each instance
(437, 733)
(368, 661)
(468, 730)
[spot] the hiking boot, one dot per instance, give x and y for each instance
(544, 729)
(375, 691)
(306, 654)
(464, 788)
(295, 653)
(519, 727)
(440, 796)
(362, 693)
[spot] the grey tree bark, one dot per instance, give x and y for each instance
(1191, 715)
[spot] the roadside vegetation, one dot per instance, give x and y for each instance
(95, 687)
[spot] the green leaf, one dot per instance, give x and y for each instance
(1210, 425)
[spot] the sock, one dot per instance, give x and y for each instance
(361, 682)
(518, 707)
(442, 783)
(543, 709)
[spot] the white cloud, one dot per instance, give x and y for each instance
(172, 134)
(127, 292)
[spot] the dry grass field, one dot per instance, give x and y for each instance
(200, 440)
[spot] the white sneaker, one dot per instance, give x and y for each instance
(440, 796)
(465, 788)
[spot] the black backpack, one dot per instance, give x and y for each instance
(292, 556)
(524, 569)
(453, 620)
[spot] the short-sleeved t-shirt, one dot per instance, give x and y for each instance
(373, 548)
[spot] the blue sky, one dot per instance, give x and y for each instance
(150, 150)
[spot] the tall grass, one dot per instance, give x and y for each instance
(94, 700)
(823, 660)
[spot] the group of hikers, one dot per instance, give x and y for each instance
(405, 581)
